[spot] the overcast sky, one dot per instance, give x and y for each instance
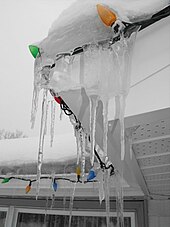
(23, 22)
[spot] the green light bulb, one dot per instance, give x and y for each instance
(5, 180)
(34, 50)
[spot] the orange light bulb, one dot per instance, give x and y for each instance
(27, 189)
(106, 15)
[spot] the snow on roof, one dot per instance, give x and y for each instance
(127, 10)
(80, 23)
(25, 150)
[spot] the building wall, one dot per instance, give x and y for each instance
(136, 206)
(159, 213)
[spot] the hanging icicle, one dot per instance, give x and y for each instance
(45, 130)
(76, 127)
(82, 69)
(100, 179)
(53, 109)
(105, 125)
(52, 200)
(61, 114)
(122, 127)
(118, 184)
(41, 139)
(107, 195)
(46, 208)
(82, 146)
(34, 105)
(93, 107)
(78, 146)
(71, 204)
(64, 189)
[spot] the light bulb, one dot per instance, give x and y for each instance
(106, 15)
(27, 189)
(34, 50)
(5, 180)
(78, 170)
(55, 186)
(91, 175)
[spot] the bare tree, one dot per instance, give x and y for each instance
(5, 134)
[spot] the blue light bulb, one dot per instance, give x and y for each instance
(55, 186)
(91, 175)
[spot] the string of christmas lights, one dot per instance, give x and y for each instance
(90, 179)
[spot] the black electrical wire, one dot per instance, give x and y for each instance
(68, 112)
(47, 177)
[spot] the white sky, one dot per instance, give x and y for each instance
(23, 22)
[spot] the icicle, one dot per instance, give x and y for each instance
(87, 143)
(46, 208)
(93, 107)
(100, 179)
(118, 183)
(107, 196)
(82, 68)
(76, 126)
(52, 200)
(82, 146)
(122, 128)
(117, 107)
(34, 105)
(41, 139)
(64, 189)
(130, 144)
(52, 121)
(61, 114)
(45, 130)
(71, 204)
(105, 125)
(78, 146)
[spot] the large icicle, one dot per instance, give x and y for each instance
(82, 146)
(76, 126)
(118, 183)
(34, 105)
(71, 204)
(105, 125)
(122, 127)
(100, 179)
(93, 107)
(52, 121)
(46, 208)
(78, 145)
(107, 196)
(41, 139)
(45, 130)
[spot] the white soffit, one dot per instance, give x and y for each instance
(151, 147)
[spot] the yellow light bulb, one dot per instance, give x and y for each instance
(78, 170)
(106, 15)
